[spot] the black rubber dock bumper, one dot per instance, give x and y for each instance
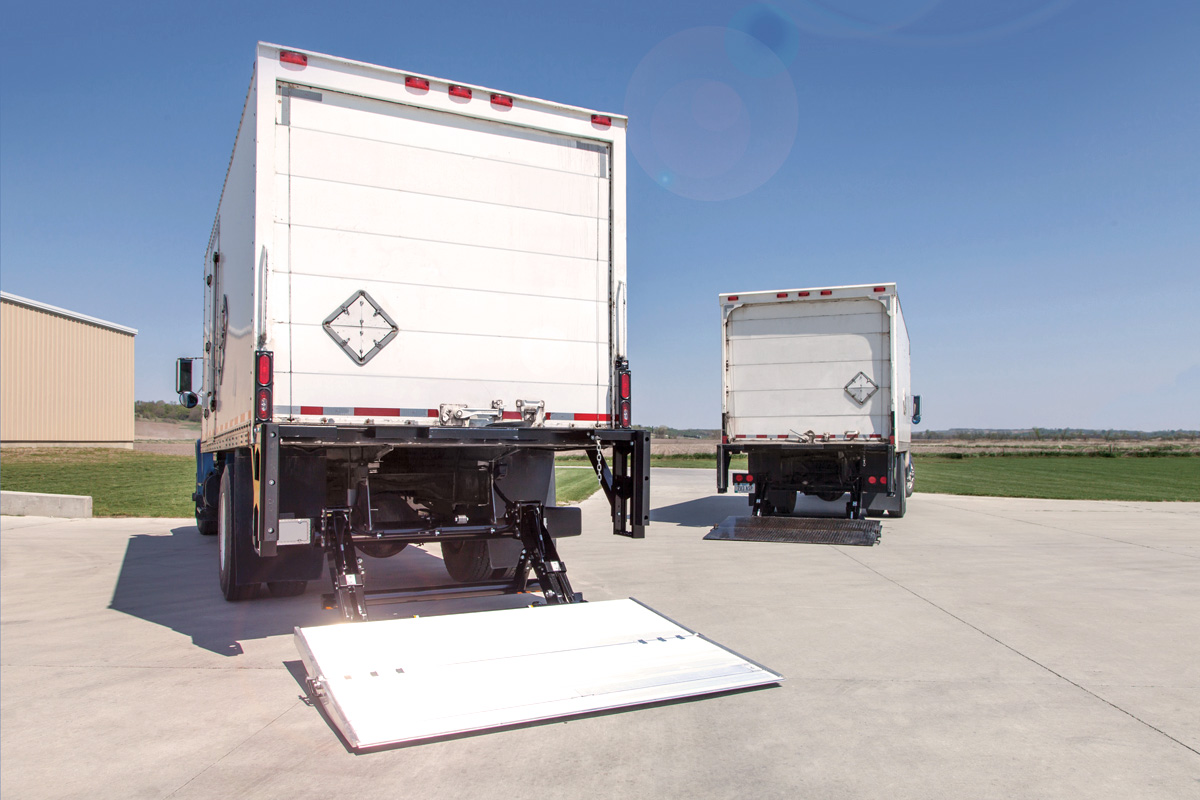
(799, 530)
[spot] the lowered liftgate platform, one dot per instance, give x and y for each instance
(404, 680)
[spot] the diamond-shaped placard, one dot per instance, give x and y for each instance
(360, 327)
(860, 388)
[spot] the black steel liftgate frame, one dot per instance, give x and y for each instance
(626, 484)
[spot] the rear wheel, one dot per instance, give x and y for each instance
(229, 532)
(207, 527)
(829, 497)
(467, 562)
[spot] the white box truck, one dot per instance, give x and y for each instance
(817, 393)
(414, 295)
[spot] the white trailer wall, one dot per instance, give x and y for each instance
(790, 355)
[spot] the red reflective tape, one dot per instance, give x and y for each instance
(511, 415)
(760, 436)
(591, 417)
(432, 412)
(781, 436)
(739, 436)
(376, 412)
(312, 410)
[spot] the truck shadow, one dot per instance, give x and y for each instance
(172, 581)
(705, 512)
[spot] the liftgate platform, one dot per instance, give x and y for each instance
(405, 680)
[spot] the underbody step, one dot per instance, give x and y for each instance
(404, 680)
(800, 530)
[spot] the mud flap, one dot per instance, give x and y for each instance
(404, 680)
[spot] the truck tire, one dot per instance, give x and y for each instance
(910, 476)
(830, 497)
(231, 528)
(286, 588)
(467, 562)
(207, 527)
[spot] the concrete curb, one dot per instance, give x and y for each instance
(34, 504)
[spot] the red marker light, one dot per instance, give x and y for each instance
(749, 478)
(883, 480)
(826, 292)
(416, 83)
(871, 479)
(288, 57)
(880, 289)
(732, 298)
(504, 101)
(803, 294)
(781, 294)
(460, 91)
(601, 121)
(264, 369)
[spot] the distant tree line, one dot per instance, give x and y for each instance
(1052, 434)
(162, 411)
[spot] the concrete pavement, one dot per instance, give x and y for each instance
(987, 648)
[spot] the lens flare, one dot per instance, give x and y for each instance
(713, 111)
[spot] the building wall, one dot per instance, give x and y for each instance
(63, 380)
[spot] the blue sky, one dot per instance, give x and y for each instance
(1027, 171)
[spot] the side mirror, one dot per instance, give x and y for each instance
(188, 399)
(916, 417)
(183, 377)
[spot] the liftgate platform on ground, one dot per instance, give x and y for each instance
(404, 680)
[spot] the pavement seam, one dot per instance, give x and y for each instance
(1028, 658)
(1068, 530)
(227, 753)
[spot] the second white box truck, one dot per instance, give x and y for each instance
(817, 393)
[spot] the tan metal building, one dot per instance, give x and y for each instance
(66, 379)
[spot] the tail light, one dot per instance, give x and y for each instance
(264, 375)
(624, 394)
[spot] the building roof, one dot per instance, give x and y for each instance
(62, 312)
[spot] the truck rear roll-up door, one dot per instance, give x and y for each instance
(404, 680)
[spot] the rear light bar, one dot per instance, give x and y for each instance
(264, 375)
(502, 100)
(460, 91)
(289, 57)
(416, 83)
(624, 394)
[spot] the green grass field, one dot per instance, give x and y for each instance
(126, 483)
(1062, 477)
(121, 483)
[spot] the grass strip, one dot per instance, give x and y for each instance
(574, 485)
(1062, 477)
(121, 483)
